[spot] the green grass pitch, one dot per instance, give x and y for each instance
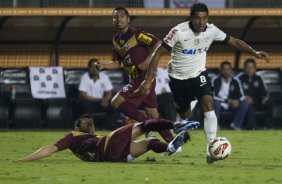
(256, 158)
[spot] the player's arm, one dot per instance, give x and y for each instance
(145, 87)
(108, 65)
(144, 65)
(39, 154)
(241, 45)
(113, 64)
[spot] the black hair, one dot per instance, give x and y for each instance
(121, 8)
(225, 63)
(91, 61)
(250, 60)
(78, 121)
(198, 7)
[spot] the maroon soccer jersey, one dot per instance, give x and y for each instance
(131, 49)
(87, 147)
(115, 147)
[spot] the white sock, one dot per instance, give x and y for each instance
(210, 125)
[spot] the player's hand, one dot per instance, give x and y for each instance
(145, 87)
(263, 55)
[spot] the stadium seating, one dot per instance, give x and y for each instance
(22, 106)
(58, 113)
(26, 113)
(277, 115)
(24, 55)
(272, 79)
(4, 113)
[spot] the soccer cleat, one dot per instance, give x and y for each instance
(177, 142)
(183, 125)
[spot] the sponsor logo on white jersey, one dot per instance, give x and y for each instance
(194, 51)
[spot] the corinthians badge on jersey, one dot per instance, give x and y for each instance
(196, 41)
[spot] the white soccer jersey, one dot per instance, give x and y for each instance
(189, 49)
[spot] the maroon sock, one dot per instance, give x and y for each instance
(131, 111)
(157, 146)
(166, 135)
(157, 125)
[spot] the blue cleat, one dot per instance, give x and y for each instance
(184, 125)
(177, 142)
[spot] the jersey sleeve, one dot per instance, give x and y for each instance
(171, 38)
(146, 39)
(65, 142)
(83, 83)
(220, 35)
(107, 82)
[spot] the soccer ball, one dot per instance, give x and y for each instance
(219, 148)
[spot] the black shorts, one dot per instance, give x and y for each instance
(185, 91)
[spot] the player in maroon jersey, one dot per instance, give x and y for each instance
(117, 146)
(132, 49)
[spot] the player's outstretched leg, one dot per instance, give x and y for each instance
(138, 148)
(178, 141)
(210, 121)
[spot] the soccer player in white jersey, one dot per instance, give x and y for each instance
(188, 44)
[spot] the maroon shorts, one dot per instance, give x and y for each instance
(117, 144)
(129, 93)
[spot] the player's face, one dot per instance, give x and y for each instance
(87, 125)
(200, 20)
(250, 69)
(120, 19)
(226, 71)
